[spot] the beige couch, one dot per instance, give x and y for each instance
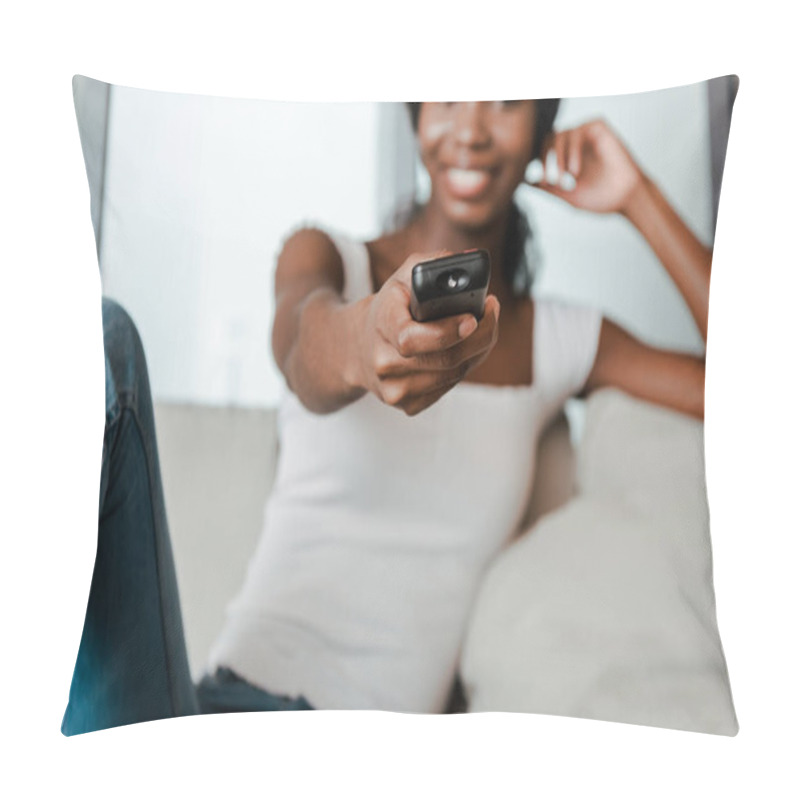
(603, 608)
(218, 465)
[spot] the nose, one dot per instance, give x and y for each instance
(469, 124)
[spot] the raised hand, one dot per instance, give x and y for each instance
(590, 168)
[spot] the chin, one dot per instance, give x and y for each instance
(473, 219)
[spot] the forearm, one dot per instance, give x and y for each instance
(684, 257)
(671, 379)
(679, 384)
(319, 360)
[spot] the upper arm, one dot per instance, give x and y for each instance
(667, 378)
(309, 261)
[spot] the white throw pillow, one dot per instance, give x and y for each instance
(605, 609)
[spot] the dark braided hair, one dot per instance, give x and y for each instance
(519, 260)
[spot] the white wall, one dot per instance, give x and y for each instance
(199, 193)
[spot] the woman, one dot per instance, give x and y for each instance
(383, 519)
(470, 207)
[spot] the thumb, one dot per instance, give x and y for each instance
(550, 188)
(492, 306)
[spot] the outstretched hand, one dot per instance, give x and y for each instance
(588, 167)
(409, 364)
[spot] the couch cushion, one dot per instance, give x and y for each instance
(217, 466)
(605, 608)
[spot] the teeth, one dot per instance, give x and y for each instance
(467, 178)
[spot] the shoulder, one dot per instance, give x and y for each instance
(306, 242)
(568, 317)
(309, 252)
(566, 340)
(619, 355)
(386, 254)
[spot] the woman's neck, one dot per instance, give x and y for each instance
(430, 231)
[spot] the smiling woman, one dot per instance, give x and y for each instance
(476, 153)
(327, 620)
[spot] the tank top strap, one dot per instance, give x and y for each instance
(565, 345)
(355, 263)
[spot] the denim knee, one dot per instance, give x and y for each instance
(124, 354)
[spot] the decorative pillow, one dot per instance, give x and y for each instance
(357, 590)
(605, 608)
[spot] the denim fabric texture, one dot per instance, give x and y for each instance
(132, 664)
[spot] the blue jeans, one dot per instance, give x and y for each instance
(132, 664)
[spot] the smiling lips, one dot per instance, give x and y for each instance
(467, 183)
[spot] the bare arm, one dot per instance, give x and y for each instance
(332, 352)
(674, 380)
(684, 257)
(606, 179)
(313, 330)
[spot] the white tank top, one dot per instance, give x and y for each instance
(380, 526)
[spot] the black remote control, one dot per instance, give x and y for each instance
(444, 287)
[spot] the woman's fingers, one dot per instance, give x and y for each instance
(473, 349)
(394, 317)
(551, 169)
(574, 154)
(410, 364)
(413, 383)
(560, 166)
(534, 174)
(413, 404)
(409, 337)
(564, 145)
(408, 389)
(555, 190)
(590, 168)
(422, 338)
(559, 148)
(441, 345)
(418, 404)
